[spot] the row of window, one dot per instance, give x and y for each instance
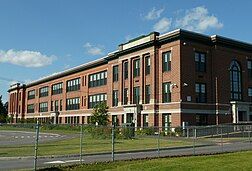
(43, 107)
(56, 105)
(73, 85)
(43, 92)
(97, 79)
(73, 104)
(57, 88)
(96, 99)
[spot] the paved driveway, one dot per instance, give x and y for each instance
(23, 137)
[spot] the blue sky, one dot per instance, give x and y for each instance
(38, 38)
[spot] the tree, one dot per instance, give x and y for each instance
(100, 114)
(3, 110)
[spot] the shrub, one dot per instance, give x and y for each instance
(127, 133)
(178, 131)
(146, 131)
(98, 132)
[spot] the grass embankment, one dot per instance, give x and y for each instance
(230, 161)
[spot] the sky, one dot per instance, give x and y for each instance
(42, 37)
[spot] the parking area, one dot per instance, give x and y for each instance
(24, 137)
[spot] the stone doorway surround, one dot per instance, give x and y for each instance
(237, 107)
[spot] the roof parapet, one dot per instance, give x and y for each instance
(139, 40)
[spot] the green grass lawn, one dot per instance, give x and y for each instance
(90, 145)
(230, 161)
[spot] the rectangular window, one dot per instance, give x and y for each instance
(250, 93)
(147, 65)
(136, 68)
(200, 90)
(200, 61)
(43, 107)
(126, 70)
(56, 105)
(95, 99)
(115, 97)
(136, 95)
(145, 120)
(60, 105)
(31, 94)
(147, 94)
(125, 96)
(57, 88)
(115, 73)
(73, 103)
(250, 68)
(43, 92)
(73, 85)
(166, 92)
(30, 108)
(166, 121)
(97, 79)
(52, 108)
(201, 119)
(166, 57)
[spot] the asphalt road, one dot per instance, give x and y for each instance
(27, 163)
(23, 137)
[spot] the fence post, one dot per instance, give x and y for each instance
(249, 134)
(158, 142)
(221, 139)
(187, 132)
(194, 140)
(113, 143)
(81, 141)
(36, 145)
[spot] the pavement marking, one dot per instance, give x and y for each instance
(55, 162)
(70, 161)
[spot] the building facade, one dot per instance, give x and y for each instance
(153, 80)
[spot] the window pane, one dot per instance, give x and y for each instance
(196, 57)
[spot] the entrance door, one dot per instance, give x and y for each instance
(129, 118)
(242, 116)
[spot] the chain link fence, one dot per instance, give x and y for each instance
(43, 145)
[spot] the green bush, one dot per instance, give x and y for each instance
(179, 131)
(146, 131)
(98, 132)
(126, 133)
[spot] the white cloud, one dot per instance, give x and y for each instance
(154, 14)
(198, 19)
(128, 38)
(66, 66)
(92, 49)
(25, 58)
(162, 25)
